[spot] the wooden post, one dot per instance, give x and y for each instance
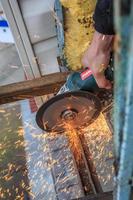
(37, 87)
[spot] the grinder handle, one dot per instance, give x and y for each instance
(87, 82)
(109, 74)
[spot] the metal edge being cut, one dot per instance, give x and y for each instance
(59, 10)
(43, 108)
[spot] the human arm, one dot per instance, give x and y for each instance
(97, 56)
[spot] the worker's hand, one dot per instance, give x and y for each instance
(97, 58)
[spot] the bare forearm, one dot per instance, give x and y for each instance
(97, 57)
(102, 43)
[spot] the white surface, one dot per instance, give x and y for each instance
(39, 18)
(6, 35)
(5, 32)
(46, 53)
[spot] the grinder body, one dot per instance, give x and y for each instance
(64, 108)
(84, 81)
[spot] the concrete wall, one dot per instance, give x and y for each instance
(10, 65)
(39, 19)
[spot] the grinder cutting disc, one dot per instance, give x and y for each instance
(77, 109)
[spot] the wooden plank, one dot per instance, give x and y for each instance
(103, 196)
(37, 87)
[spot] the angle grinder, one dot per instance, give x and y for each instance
(76, 103)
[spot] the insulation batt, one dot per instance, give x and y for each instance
(78, 29)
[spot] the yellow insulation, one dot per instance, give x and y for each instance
(78, 29)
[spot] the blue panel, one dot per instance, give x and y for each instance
(3, 23)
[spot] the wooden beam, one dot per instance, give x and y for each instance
(103, 196)
(37, 87)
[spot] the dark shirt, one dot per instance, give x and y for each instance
(103, 17)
